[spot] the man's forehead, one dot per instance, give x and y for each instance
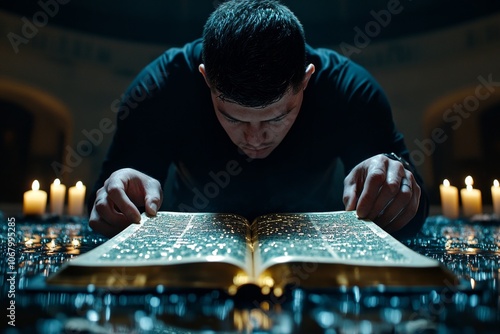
(246, 114)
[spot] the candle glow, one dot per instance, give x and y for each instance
(471, 198)
(76, 197)
(34, 200)
(57, 195)
(449, 200)
(495, 196)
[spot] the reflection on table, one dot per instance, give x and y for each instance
(470, 249)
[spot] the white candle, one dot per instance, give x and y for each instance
(471, 198)
(57, 195)
(35, 200)
(76, 198)
(449, 200)
(495, 195)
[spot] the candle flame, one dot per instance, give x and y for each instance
(469, 181)
(35, 185)
(57, 182)
(75, 243)
(496, 184)
(79, 184)
(446, 183)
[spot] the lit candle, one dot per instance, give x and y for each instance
(471, 198)
(495, 195)
(76, 198)
(75, 242)
(449, 200)
(57, 194)
(35, 200)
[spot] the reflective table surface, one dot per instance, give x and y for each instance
(33, 249)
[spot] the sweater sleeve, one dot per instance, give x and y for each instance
(371, 130)
(144, 136)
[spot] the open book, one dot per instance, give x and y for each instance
(207, 250)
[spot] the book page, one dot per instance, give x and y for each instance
(330, 237)
(172, 238)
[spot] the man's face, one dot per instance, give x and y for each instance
(258, 131)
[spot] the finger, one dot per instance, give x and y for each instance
(349, 196)
(115, 190)
(369, 204)
(104, 218)
(153, 197)
(407, 214)
(397, 205)
(386, 186)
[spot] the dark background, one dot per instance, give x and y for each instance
(177, 21)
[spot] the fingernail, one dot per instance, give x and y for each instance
(153, 207)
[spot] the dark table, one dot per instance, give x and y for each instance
(39, 247)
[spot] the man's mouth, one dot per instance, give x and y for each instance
(256, 149)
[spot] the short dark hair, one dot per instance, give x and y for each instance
(253, 51)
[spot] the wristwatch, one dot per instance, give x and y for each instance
(394, 156)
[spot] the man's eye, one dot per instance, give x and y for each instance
(231, 120)
(276, 120)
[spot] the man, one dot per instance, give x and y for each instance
(251, 120)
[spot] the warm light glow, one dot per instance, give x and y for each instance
(266, 281)
(35, 185)
(471, 199)
(57, 182)
(75, 243)
(76, 198)
(449, 200)
(469, 181)
(495, 195)
(265, 290)
(278, 292)
(240, 279)
(232, 290)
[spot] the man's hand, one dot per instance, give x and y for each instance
(382, 190)
(116, 203)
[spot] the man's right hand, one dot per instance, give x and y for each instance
(116, 203)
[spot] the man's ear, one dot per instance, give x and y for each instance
(201, 68)
(309, 72)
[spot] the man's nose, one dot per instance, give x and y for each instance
(255, 134)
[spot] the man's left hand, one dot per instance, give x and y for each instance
(382, 190)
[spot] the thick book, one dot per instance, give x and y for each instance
(225, 251)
